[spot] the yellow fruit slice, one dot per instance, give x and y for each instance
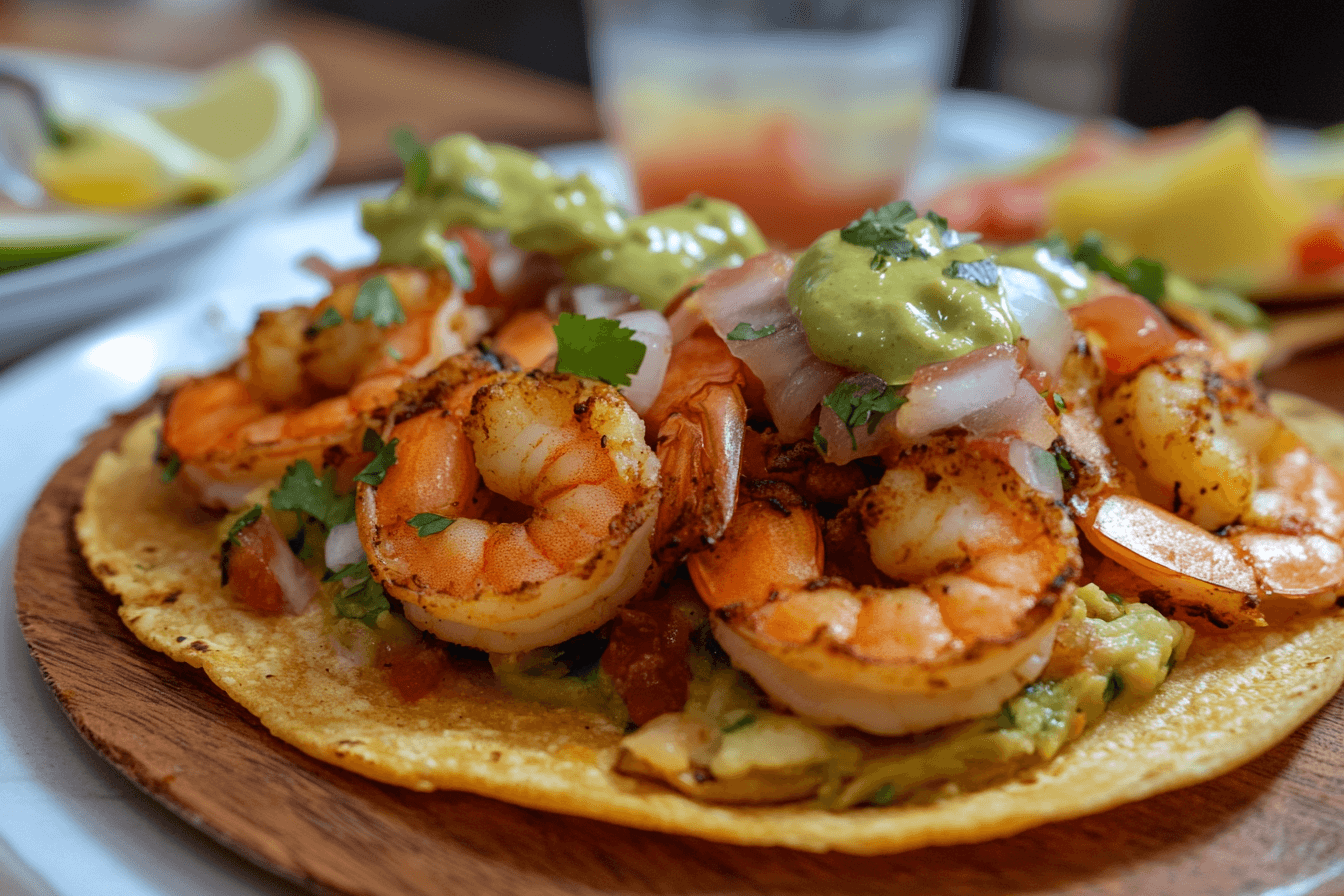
(241, 126)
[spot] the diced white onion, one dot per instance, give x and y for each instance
(1045, 325)
(652, 329)
(343, 546)
(1037, 468)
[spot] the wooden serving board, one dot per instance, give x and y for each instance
(1275, 823)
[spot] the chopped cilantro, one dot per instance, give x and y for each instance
(1114, 685)
(459, 266)
(936, 220)
(1067, 475)
(482, 189)
(330, 318)
(413, 157)
(302, 489)
(1115, 598)
(744, 333)
(364, 601)
(430, 523)
(357, 569)
(1142, 276)
(385, 455)
(393, 353)
(983, 272)
(856, 408)
(377, 301)
(1059, 402)
(739, 723)
(234, 539)
(883, 231)
(171, 467)
(597, 348)
(819, 440)
(883, 795)
(242, 523)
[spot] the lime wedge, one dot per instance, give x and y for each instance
(241, 126)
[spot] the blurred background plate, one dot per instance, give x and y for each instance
(41, 302)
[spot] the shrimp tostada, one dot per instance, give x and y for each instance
(900, 542)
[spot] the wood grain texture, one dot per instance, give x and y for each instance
(1272, 823)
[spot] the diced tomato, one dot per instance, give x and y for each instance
(1134, 330)
(413, 670)
(250, 566)
(1320, 250)
(646, 658)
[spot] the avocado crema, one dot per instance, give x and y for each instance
(887, 315)
(497, 187)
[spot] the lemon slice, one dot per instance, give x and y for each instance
(241, 126)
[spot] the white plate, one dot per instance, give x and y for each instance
(72, 822)
(43, 301)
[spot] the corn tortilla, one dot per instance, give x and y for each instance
(1235, 696)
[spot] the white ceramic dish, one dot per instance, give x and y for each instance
(74, 826)
(41, 302)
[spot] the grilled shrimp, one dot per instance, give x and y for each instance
(969, 571)
(305, 381)
(565, 454)
(1230, 515)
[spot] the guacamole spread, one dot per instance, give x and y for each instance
(494, 187)
(891, 293)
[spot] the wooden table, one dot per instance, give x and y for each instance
(372, 80)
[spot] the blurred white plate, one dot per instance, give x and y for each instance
(41, 302)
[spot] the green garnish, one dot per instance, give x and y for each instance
(385, 455)
(301, 489)
(984, 272)
(352, 570)
(883, 795)
(936, 220)
(393, 353)
(1059, 401)
(1142, 276)
(377, 301)
(744, 333)
(1114, 685)
(737, 725)
(819, 440)
(856, 408)
(242, 523)
(459, 266)
(430, 523)
(1115, 598)
(414, 157)
(883, 231)
(597, 348)
(364, 601)
(330, 318)
(233, 539)
(171, 467)
(1067, 475)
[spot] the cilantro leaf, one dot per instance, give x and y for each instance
(242, 523)
(358, 569)
(597, 348)
(856, 408)
(880, 226)
(936, 220)
(1059, 402)
(430, 523)
(1142, 276)
(171, 467)
(984, 272)
(364, 601)
(483, 190)
(413, 157)
(883, 795)
(459, 266)
(378, 302)
(330, 318)
(739, 723)
(385, 455)
(234, 539)
(301, 489)
(744, 333)
(819, 440)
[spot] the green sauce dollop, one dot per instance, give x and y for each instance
(890, 319)
(1070, 281)
(496, 187)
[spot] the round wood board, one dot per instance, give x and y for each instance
(1275, 823)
